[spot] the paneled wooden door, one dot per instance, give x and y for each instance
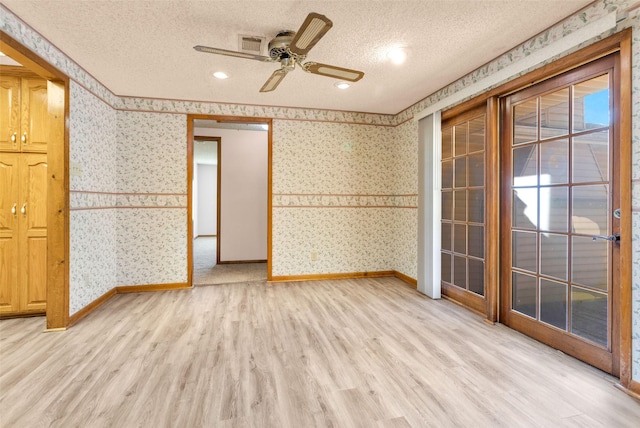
(560, 228)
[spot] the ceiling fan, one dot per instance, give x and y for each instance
(290, 48)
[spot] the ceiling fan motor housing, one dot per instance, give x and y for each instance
(279, 45)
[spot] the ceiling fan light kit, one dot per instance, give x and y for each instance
(290, 48)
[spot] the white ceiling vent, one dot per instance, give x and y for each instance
(250, 44)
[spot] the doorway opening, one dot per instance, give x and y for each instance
(34, 237)
(229, 195)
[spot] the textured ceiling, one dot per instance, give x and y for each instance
(145, 48)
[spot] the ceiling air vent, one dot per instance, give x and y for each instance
(250, 44)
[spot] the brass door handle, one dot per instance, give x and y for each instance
(24, 138)
(13, 209)
(23, 210)
(14, 138)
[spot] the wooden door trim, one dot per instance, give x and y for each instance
(190, 138)
(57, 183)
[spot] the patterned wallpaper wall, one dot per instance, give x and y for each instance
(92, 138)
(338, 191)
(151, 174)
(399, 194)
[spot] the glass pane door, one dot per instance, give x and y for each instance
(559, 194)
(463, 209)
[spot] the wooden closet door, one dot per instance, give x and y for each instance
(33, 232)
(34, 134)
(9, 179)
(9, 113)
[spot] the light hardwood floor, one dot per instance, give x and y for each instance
(361, 353)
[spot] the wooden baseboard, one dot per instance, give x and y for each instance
(151, 287)
(122, 290)
(412, 282)
(325, 276)
(633, 389)
(240, 262)
(91, 307)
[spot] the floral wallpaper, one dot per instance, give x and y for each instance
(92, 147)
(152, 198)
(151, 246)
(143, 182)
(337, 190)
(151, 153)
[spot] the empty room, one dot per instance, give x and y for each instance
(305, 213)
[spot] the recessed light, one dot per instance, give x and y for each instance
(342, 85)
(2, 54)
(397, 55)
(220, 75)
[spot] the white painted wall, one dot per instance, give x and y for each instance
(207, 194)
(243, 193)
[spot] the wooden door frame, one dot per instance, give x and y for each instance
(57, 183)
(619, 42)
(219, 141)
(190, 139)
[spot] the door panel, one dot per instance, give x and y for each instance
(35, 115)
(33, 254)
(558, 194)
(463, 273)
(9, 232)
(9, 113)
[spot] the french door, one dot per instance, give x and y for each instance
(560, 218)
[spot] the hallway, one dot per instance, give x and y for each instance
(206, 272)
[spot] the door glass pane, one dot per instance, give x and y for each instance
(460, 238)
(460, 205)
(524, 294)
(476, 170)
(589, 315)
(554, 114)
(591, 104)
(460, 271)
(445, 236)
(554, 162)
(553, 303)
(591, 209)
(525, 208)
(476, 276)
(476, 241)
(476, 206)
(446, 143)
(447, 174)
(591, 157)
(445, 267)
(589, 261)
(525, 122)
(554, 209)
(460, 135)
(447, 205)
(525, 166)
(525, 250)
(461, 172)
(476, 134)
(553, 255)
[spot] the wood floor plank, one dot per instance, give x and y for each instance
(352, 353)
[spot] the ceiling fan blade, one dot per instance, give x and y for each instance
(273, 81)
(218, 51)
(333, 71)
(311, 30)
